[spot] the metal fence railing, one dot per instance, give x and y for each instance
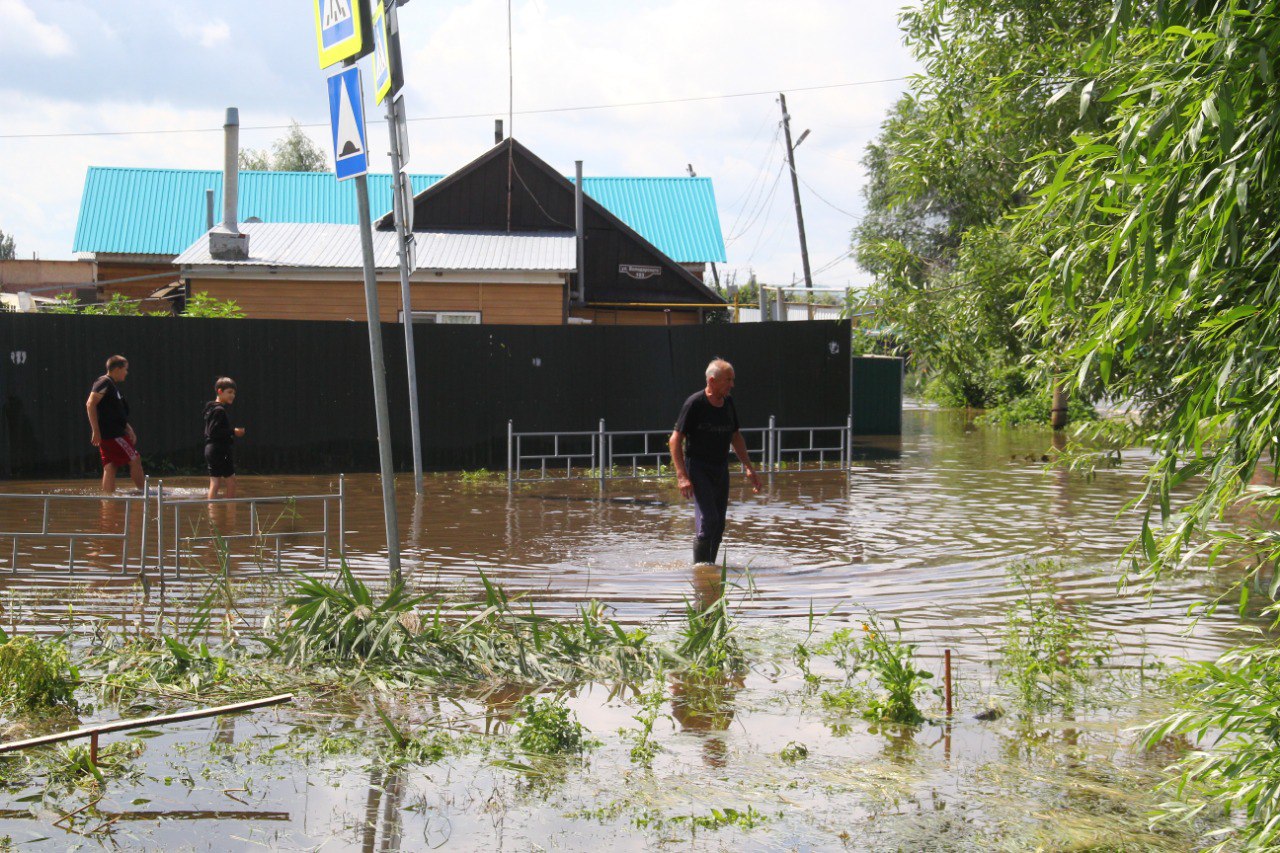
(605, 454)
(168, 531)
(49, 503)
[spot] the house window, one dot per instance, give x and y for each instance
(465, 318)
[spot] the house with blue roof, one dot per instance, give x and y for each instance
(495, 243)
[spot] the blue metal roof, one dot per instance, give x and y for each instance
(162, 211)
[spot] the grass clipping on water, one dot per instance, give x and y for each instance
(455, 642)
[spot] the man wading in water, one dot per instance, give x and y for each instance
(706, 428)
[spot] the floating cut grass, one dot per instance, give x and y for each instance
(36, 673)
(469, 641)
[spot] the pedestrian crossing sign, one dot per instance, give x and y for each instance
(342, 30)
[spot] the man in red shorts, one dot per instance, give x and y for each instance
(109, 420)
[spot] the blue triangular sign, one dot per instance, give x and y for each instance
(346, 121)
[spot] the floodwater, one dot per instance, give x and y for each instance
(924, 536)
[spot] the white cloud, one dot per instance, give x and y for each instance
(23, 33)
(567, 53)
(208, 34)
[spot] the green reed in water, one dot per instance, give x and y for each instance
(1050, 653)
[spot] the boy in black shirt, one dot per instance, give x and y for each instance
(110, 431)
(219, 436)
(708, 425)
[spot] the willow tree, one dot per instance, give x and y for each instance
(944, 176)
(1159, 273)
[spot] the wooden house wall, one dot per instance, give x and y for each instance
(301, 299)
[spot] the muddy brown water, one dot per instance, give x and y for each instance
(925, 537)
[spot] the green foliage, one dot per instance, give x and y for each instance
(36, 673)
(72, 766)
(943, 178)
(706, 637)
(1234, 714)
(201, 304)
(548, 727)
(63, 303)
(152, 663)
(118, 305)
(720, 819)
(294, 152)
(1034, 410)
(344, 622)
(644, 748)
(871, 653)
(793, 752)
(1049, 651)
(344, 625)
(8, 250)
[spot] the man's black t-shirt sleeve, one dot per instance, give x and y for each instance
(683, 426)
(102, 385)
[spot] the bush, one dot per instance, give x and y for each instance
(549, 728)
(36, 673)
(1034, 410)
(203, 305)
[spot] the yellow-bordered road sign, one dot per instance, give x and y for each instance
(342, 30)
(388, 72)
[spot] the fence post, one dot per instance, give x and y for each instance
(510, 451)
(848, 443)
(124, 543)
(160, 528)
(771, 441)
(342, 518)
(602, 453)
(142, 547)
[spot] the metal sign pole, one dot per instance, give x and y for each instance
(403, 235)
(379, 383)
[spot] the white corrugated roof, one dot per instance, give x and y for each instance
(328, 246)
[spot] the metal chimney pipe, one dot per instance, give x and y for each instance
(579, 232)
(497, 131)
(231, 169)
(208, 210)
(226, 243)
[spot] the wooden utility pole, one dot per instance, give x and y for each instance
(795, 186)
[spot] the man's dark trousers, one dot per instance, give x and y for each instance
(710, 506)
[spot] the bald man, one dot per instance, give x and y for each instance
(706, 429)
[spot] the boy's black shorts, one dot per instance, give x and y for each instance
(218, 457)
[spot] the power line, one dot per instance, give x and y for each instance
(766, 202)
(543, 111)
(829, 204)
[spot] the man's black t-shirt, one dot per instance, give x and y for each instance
(708, 429)
(113, 409)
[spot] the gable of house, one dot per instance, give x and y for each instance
(509, 188)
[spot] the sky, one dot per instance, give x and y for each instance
(129, 83)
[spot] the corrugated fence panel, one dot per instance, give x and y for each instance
(876, 390)
(306, 401)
